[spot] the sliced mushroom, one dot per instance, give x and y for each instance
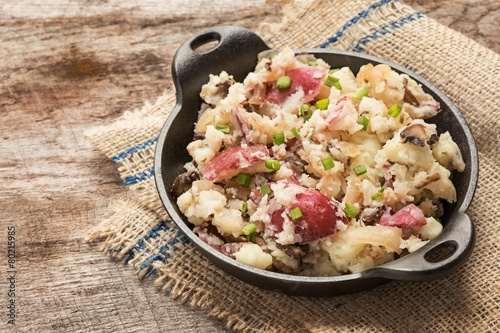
(408, 96)
(296, 163)
(435, 177)
(370, 216)
(414, 134)
(295, 251)
(184, 181)
(223, 89)
(433, 139)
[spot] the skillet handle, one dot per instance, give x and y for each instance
(458, 238)
(236, 53)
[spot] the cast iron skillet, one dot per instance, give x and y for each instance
(236, 53)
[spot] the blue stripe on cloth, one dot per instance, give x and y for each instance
(180, 237)
(354, 20)
(385, 29)
(133, 150)
(140, 177)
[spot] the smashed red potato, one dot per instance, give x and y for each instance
(307, 169)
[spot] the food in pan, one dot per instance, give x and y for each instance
(308, 169)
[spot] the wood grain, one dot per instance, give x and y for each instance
(72, 65)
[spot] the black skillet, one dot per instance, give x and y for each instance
(236, 53)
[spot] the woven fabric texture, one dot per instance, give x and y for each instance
(468, 300)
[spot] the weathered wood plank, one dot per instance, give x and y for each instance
(71, 65)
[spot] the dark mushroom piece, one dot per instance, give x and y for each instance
(184, 181)
(408, 96)
(371, 216)
(414, 134)
(433, 139)
(296, 251)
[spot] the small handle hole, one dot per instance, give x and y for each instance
(206, 43)
(441, 252)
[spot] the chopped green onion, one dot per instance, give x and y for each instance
(364, 120)
(362, 92)
(328, 163)
(296, 213)
(437, 219)
(378, 194)
(359, 170)
(305, 111)
(249, 229)
(334, 70)
(265, 189)
(223, 128)
(273, 165)
(337, 86)
(401, 119)
(322, 104)
(278, 138)
(312, 63)
(295, 132)
(283, 82)
(350, 210)
(395, 110)
(251, 238)
(243, 179)
(244, 207)
(330, 80)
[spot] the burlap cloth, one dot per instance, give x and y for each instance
(468, 300)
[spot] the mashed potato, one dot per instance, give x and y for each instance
(312, 170)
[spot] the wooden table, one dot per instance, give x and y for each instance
(67, 66)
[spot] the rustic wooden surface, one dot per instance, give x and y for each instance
(71, 65)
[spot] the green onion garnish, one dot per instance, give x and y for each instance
(244, 207)
(362, 92)
(283, 82)
(334, 70)
(395, 110)
(249, 229)
(251, 238)
(265, 189)
(437, 219)
(223, 128)
(378, 194)
(296, 213)
(243, 179)
(305, 111)
(312, 63)
(401, 119)
(350, 210)
(273, 165)
(295, 132)
(337, 86)
(328, 163)
(278, 138)
(330, 80)
(364, 120)
(322, 104)
(359, 170)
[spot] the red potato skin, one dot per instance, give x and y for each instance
(410, 216)
(231, 158)
(335, 113)
(319, 217)
(310, 79)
